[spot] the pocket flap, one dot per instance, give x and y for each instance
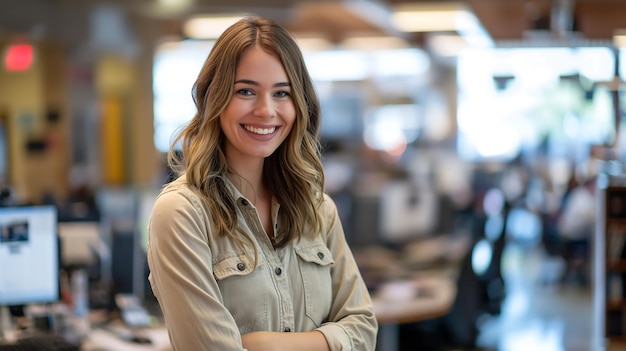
(233, 266)
(318, 254)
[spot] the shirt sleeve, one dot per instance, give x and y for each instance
(181, 276)
(351, 324)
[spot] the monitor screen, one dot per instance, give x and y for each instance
(29, 255)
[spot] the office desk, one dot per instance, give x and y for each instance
(414, 284)
(410, 301)
(105, 340)
(96, 339)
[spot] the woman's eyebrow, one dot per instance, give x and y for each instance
(251, 82)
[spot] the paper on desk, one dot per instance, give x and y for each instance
(398, 290)
(103, 340)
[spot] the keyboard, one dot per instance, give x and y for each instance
(40, 343)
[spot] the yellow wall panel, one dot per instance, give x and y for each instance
(112, 143)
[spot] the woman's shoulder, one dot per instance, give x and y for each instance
(328, 207)
(327, 201)
(178, 193)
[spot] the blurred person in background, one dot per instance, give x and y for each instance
(576, 225)
(246, 251)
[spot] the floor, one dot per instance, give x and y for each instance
(541, 311)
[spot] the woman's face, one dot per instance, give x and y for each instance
(261, 112)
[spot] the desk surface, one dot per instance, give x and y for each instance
(414, 300)
(414, 284)
(105, 340)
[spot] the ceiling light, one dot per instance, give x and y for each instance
(368, 43)
(619, 38)
(312, 44)
(427, 17)
(446, 18)
(205, 27)
(175, 4)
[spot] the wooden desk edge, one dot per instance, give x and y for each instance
(438, 302)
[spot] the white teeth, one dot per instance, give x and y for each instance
(261, 131)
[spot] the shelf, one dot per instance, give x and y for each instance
(616, 265)
(617, 339)
(611, 265)
(617, 228)
(616, 306)
(616, 225)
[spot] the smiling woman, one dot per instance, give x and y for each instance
(246, 251)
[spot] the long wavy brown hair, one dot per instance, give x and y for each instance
(293, 173)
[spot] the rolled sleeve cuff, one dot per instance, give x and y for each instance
(336, 337)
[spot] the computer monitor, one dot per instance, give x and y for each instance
(29, 255)
(118, 207)
(81, 242)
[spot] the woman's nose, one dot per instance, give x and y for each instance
(265, 107)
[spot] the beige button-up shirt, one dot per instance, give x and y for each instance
(212, 291)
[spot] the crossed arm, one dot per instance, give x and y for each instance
(275, 341)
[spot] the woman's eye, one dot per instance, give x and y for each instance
(282, 94)
(244, 92)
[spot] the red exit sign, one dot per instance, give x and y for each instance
(18, 57)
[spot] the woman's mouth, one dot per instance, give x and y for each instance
(259, 131)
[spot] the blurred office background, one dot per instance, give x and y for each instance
(485, 121)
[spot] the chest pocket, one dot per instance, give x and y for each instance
(315, 263)
(240, 280)
(239, 265)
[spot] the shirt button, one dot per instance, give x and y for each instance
(244, 202)
(320, 255)
(287, 330)
(241, 266)
(278, 271)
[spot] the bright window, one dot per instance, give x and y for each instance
(515, 99)
(176, 67)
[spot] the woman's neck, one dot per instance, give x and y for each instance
(249, 183)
